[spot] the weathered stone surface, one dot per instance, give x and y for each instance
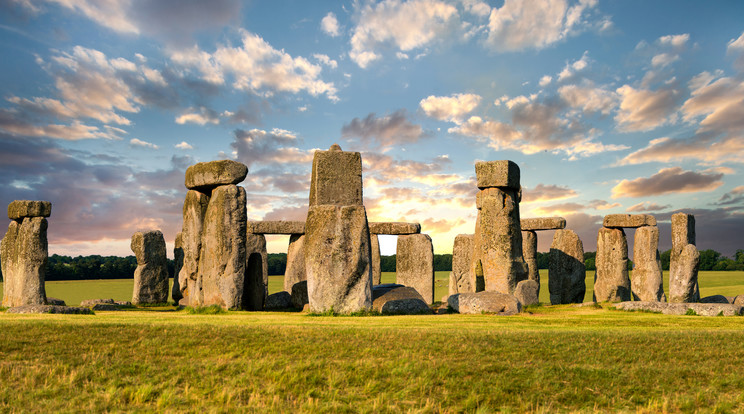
(278, 301)
(628, 220)
(414, 264)
(337, 258)
(50, 309)
(336, 178)
(56, 302)
(256, 285)
(543, 223)
(374, 243)
(497, 174)
(701, 309)
(461, 278)
(105, 307)
(19, 209)
(611, 281)
(91, 302)
(647, 284)
(684, 260)
(683, 230)
(395, 228)
(222, 261)
(23, 253)
(299, 295)
(566, 271)
(394, 299)
(205, 176)
(177, 265)
(485, 302)
(276, 227)
(295, 270)
(738, 300)
(528, 292)
(497, 251)
(529, 252)
(194, 209)
(715, 299)
(151, 274)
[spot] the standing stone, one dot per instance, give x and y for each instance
(529, 251)
(222, 260)
(256, 285)
(151, 274)
(295, 270)
(566, 273)
(684, 260)
(648, 279)
(375, 249)
(611, 282)
(194, 209)
(462, 255)
(415, 264)
(178, 264)
(24, 254)
(527, 292)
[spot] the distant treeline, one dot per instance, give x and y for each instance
(114, 267)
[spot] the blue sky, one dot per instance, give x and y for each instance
(607, 107)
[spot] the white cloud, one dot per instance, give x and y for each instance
(570, 70)
(589, 98)
(329, 25)
(183, 145)
(644, 109)
(674, 40)
(736, 47)
(144, 144)
(450, 108)
(199, 116)
(324, 59)
(545, 80)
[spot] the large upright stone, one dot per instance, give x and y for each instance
(543, 223)
(628, 220)
(256, 285)
(611, 282)
(414, 264)
(566, 272)
(374, 243)
(502, 174)
(222, 261)
(194, 209)
(177, 266)
(684, 260)
(205, 176)
(648, 279)
(19, 209)
(461, 278)
(295, 270)
(24, 254)
(336, 178)
(151, 274)
(394, 228)
(529, 251)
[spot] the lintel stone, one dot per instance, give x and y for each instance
(208, 175)
(394, 228)
(19, 209)
(502, 173)
(276, 227)
(543, 223)
(628, 220)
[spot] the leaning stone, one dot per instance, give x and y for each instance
(20, 209)
(714, 299)
(278, 301)
(276, 227)
(566, 272)
(295, 271)
(485, 302)
(375, 251)
(648, 278)
(543, 223)
(56, 302)
(415, 264)
(177, 265)
(497, 174)
(23, 259)
(529, 252)
(611, 281)
(394, 228)
(50, 309)
(205, 176)
(151, 274)
(528, 292)
(194, 209)
(461, 276)
(256, 285)
(394, 299)
(628, 220)
(683, 275)
(299, 295)
(336, 178)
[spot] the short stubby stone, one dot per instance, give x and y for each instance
(276, 227)
(683, 275)
(299, 294)
(205, 176)
(374, 244)
(485, 302)
(611, 281)
(566, 270)
(50, 309)
(278, 301)
(528, 292)
(295, 271)
(543, 223)
(462, 255)
(19, 209)
(503, 173)
(394, 228)
(648, 281)
(395, 299)
(715, 299)
(628, 220)
(415, 264)
(529, 252)
(256, 282)
(23, 258)
(700, 309)
(336, 178)
(151, 274)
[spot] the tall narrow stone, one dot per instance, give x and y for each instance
(461, 277)
(151, 274)
(566, 272)
(648, 279)
(684, 261)
(611, 282)
(295, 270)
(256, 285)
(194, 209)
(178, 264)
(24, 253)
(415, 264)
(375, 249)
(529, 251)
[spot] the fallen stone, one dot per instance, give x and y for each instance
(278, 301)
(177, 265)
(684, 261)
(715, 299)
(336, 178)
(527, 292)
(701, 309)
(394, 228)
(497, 174)
(415, 264)
(462, 254)
(105, 307)
(151, 274)
(205, 176)
(299, 295)
(295, 270)
(50, 309)
(647, 284)
(394, 299)
(485, 302)
(276, 227)
(20, 209)
(374, 244)
(256, 284)
(92, 302)
(194, 209)
(23, 259)
(56, 302)
(566, 270)
(738, 300)
(628, 220)
(543, 223)
(611, 281)
(529, 252)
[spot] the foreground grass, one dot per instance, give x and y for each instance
(555, 359)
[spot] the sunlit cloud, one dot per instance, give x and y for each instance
(668, 180)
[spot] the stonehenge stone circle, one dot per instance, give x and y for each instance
(276, 227)
(255, 288)
(529, 252)
(462, 254)
(24, 254)
(375, 250)
(295, 270)
(205, 176)
(684, 261)
(194, 209)
(543, 223)
(415, 264)
(488, 302)
(178, 264)
(628, 220)
(611, 282)
(566, 272)
(151, 274)
(648, 279)
(394, 228)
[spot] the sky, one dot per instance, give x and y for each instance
(607, 107)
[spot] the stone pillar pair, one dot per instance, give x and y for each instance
(530, 227)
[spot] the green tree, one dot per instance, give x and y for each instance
(708, 259)
(666, 257)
